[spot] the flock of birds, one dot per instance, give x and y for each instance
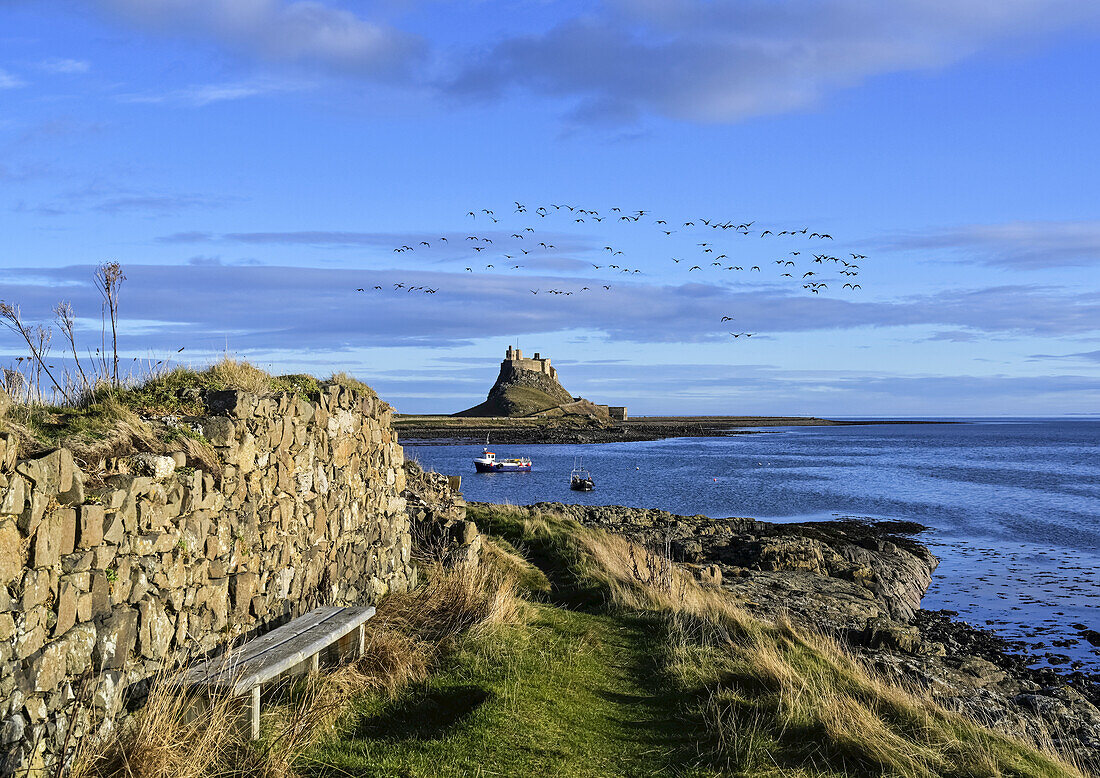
(519, 251)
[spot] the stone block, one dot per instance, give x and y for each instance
(90, 527)
(12, 730)
(74, 495)
(114, 529)
(115, 639)
(38, 501)
(218, 430)
(100, 594)
(14, 498)
(153, 465)
(55, 537)
(67, 656)
(13, 553)
(104, 556)
(52, 473)
(242, 588)
(29, 641)
(218, 600)
(36, 589)
(155, 630)
(232, 402)
(77, 562)
(65, 608)
(84, 607)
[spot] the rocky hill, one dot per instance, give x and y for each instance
(520, 391)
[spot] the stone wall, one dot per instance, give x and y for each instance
(437, 516)
(101, 588)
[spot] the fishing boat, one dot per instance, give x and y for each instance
(488, 463)
(580, 480)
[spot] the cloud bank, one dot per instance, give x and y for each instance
(724, 61)
(699, 60)
(1021, 245)
(269, 307)
(300, 32)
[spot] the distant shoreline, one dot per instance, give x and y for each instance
(442, 430)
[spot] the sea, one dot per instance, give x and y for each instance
(1012, 505)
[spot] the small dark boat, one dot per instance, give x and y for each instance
(580, 480)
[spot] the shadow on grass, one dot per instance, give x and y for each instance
(427, 715)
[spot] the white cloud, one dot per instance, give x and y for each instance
(296, 32)
(1021, 245)
(723, 61)
(10, 81)
(65, 66)
(200, 95)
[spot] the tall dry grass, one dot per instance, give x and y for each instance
(168, 739)
(778, 698)
(409, 633)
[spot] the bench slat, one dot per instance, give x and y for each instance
(284, 633)
(276, 652)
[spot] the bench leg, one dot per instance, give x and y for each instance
(362, 640)
(254, 713)
(315, 663)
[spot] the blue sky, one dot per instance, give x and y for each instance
(252, 163)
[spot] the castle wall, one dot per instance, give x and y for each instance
(101, 588)
(535, 365)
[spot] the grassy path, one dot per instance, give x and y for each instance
(570, 693)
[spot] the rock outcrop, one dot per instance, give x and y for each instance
(530, 388)
(835, 575)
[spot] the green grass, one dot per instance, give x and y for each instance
(626, 667)
(567, 693)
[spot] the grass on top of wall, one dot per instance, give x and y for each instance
(109, 421)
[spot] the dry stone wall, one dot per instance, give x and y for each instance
(101, 588)
(437, 516)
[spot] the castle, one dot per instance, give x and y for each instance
(514, 359)
(538, 364)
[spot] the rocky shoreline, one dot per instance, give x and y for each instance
(863, 582)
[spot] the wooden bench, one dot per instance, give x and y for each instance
(295, 647)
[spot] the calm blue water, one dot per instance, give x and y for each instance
(1014, 505)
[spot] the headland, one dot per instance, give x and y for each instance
(528, 404)
(442, 429)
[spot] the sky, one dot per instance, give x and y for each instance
(253, 164)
